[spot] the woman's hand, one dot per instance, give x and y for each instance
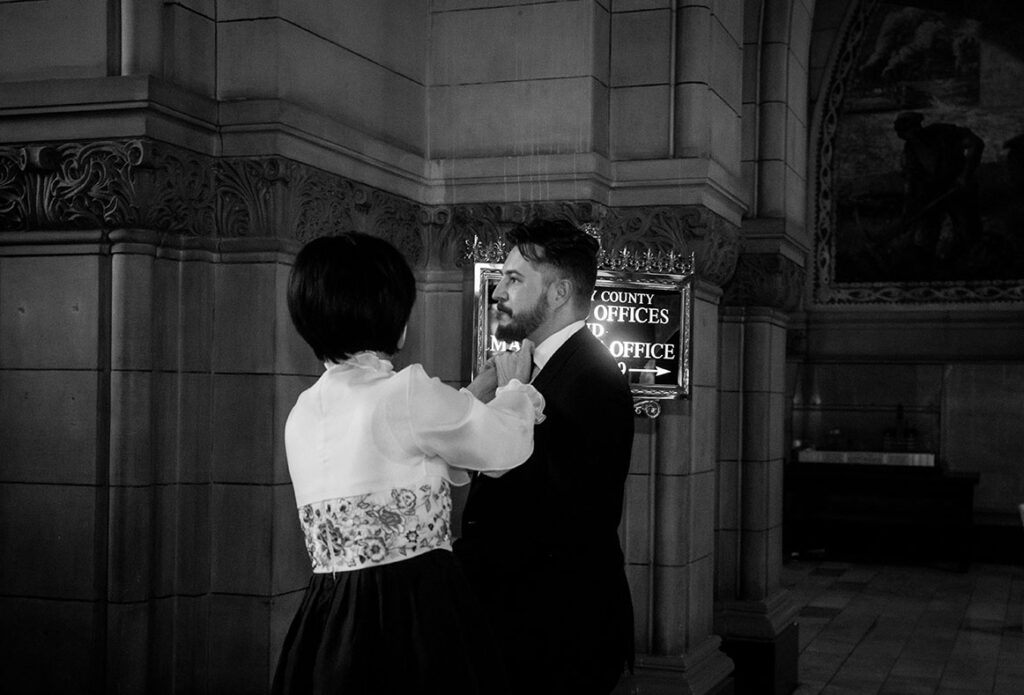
(485, 383)
(501, 369)
(515, 365)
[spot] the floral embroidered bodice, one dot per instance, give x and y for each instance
(349, 533)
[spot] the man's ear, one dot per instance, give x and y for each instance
(559, 292)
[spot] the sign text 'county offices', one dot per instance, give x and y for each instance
(643, 325)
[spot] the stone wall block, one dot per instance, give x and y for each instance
(700, 516)
(133, 459)
(755, 485)
(191, 50)
(241, 522)
(192, 637)
(51, 530)
(674, 438)
(705, 344)
(671, 610)
(727, 489)
(195, 323)
(133, 544)
(244, 317)
(525, 42)
(132, 315)
(700, 610)
(693, 54)
(672, 535)
(130, 636)
(693, 106)
(726, 563)
(46, 324)
(754, 563)
(239, 644)
(730, 415)
(187, 509)
(641, 49)
(640, 122)
(704, 456)
(33, 630)
(49, 432)
(243, 423)
(757, 426)
(194, 426)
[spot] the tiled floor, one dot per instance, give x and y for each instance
(889, 630)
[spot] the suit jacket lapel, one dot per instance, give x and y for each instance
(560, 359)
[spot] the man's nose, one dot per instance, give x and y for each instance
(499, 291)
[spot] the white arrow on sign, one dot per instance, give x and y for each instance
(658, 371)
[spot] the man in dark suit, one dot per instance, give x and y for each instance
(540, 543)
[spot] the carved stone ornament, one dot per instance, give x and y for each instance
(680, 240)
(826, 290)
(153, 186)
(650, 408)
(135, 183)
(768, 280)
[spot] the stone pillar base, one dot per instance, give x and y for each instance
(705, 671)
(762, 638)
(766, 667)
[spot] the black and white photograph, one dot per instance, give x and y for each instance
(512, 347)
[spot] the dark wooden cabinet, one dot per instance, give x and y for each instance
(879, 513)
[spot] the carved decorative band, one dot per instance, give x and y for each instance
(676, 239)
(135, 183)
(150, 186)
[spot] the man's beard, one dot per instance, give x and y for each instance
(523, 324)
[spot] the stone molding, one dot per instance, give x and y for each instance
(767, 280)
(141, 184)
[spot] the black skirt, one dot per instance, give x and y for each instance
(411, 627)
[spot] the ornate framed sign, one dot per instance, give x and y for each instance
(644, 319)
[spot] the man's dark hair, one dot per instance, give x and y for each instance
(561, 244)
(348, 293)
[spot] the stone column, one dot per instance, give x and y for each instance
(753, 613)
(670, 529)
(669, 517)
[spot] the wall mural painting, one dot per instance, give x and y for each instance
(928, 148)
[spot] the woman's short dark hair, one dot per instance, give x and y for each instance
(563, 245)
(348, 293)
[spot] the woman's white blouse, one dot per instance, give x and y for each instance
(371, 452)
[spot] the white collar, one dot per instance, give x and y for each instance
(367, 359)
(549, 346)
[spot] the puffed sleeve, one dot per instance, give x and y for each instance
(466, 433)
